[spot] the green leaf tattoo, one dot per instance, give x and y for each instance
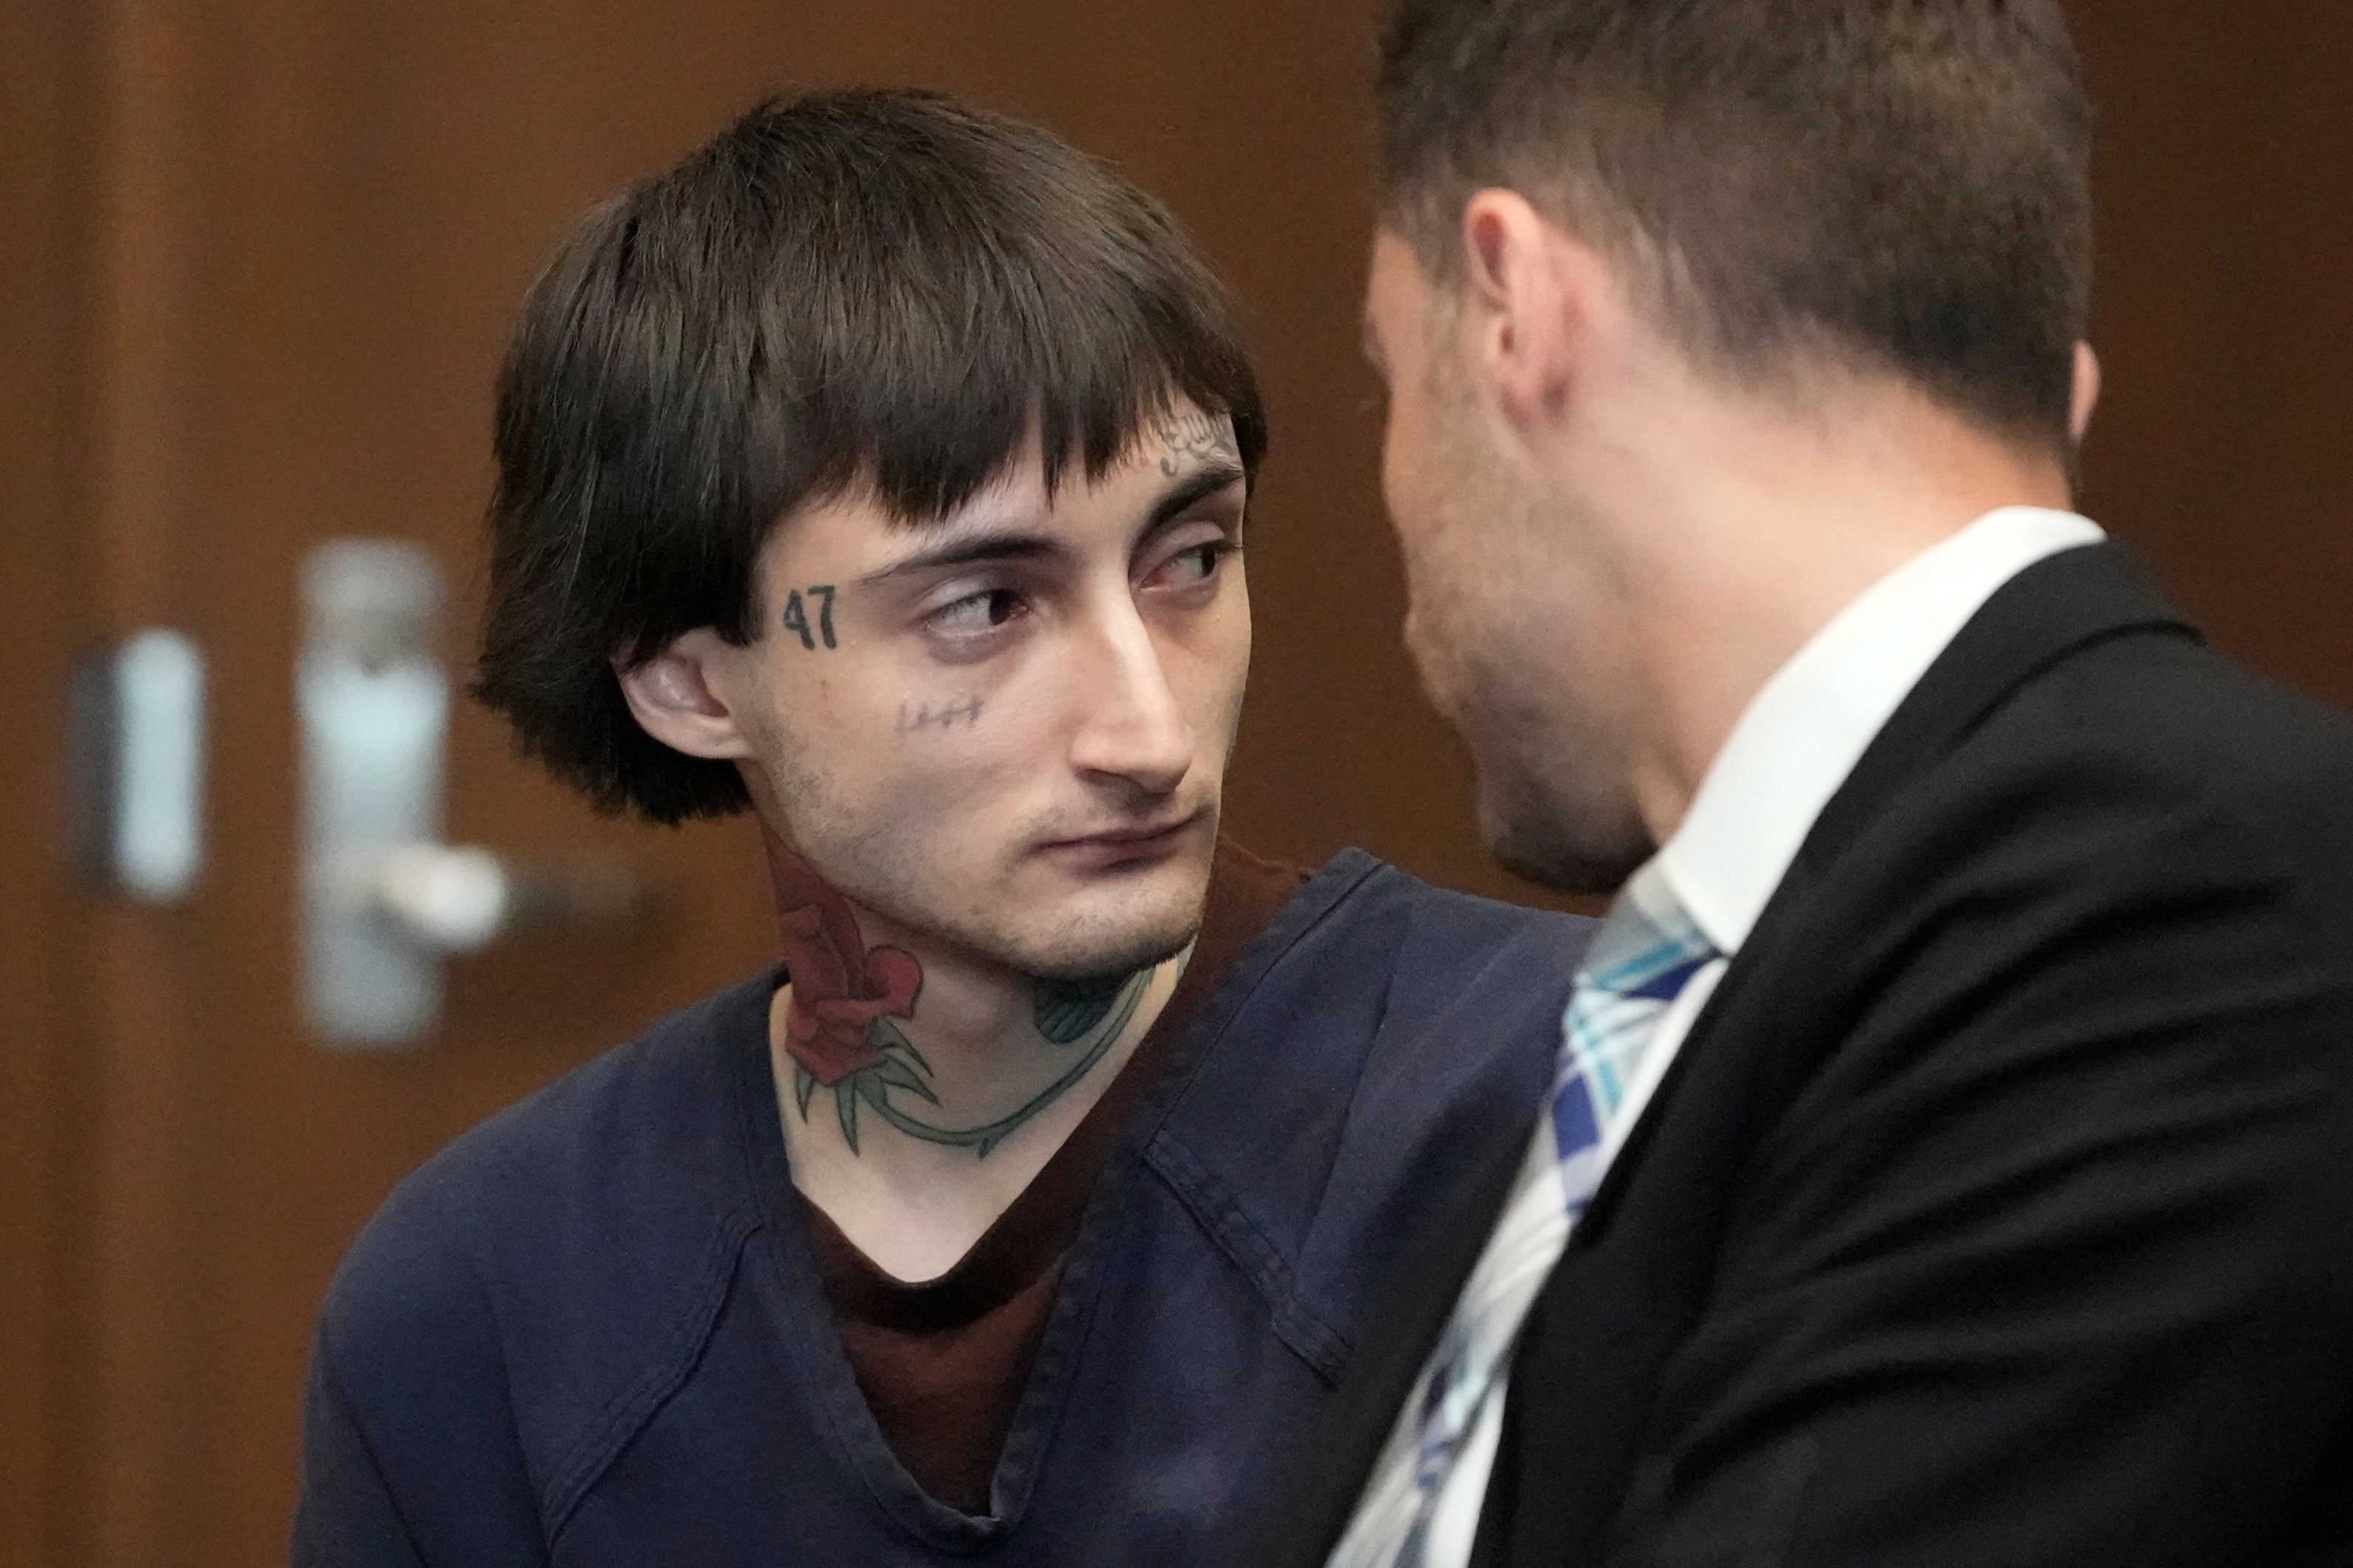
(1089, 1013)
(845, 1110)
(1065, 1009)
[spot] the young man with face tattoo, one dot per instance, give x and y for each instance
(882, 467)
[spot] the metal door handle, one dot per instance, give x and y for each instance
(138, 792)
(383, 899)
(457, 898)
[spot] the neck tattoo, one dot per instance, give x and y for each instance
(841, 1028)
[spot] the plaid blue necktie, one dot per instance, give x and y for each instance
(1641, 960)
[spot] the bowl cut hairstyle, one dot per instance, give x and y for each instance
(1879, 185)
(878, 292)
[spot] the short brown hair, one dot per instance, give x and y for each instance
(1901, 184)
(881, 290)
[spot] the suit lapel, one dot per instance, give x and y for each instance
(2055, 608)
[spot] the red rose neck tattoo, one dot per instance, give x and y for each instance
(840, 1021)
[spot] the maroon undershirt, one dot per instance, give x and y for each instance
(942, 1363)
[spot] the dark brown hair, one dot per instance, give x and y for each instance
(1901, 184)
(880, 289)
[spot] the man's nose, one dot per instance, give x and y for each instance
(1131, 728)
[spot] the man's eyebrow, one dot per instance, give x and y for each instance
(1197, 486)
(971, 549)
(986, 543)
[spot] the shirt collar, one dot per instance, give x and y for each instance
(1807, 727)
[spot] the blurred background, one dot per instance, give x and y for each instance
(257, 262)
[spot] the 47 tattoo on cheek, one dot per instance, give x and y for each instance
(797, 616)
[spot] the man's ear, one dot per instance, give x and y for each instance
(681, 695)
(2086, 394)
(1529, 302)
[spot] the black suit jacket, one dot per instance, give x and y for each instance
(1997, 1211)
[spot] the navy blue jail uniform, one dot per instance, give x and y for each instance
(590, 1332)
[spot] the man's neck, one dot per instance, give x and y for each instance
(1753, 548)
(923, 1085)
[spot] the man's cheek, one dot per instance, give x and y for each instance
(979, 774)
(1236, 677)
(1423, 646)
(1398, 473)
(1214, 739)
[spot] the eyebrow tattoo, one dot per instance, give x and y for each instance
(1196, 434)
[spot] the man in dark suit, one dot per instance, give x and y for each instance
(1951, 1155)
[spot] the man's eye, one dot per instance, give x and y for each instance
(977, 612)
(1197, 564)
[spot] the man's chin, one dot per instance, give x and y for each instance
(1112, 923)
(1570, 847)
(1133, 952)
(1087, 947)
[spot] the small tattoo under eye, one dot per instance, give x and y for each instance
(797, 619)
(914, 716)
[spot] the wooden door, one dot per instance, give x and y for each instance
(290, 240)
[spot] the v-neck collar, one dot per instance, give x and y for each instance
(792, 1294)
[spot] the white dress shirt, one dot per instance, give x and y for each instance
(1791, 749)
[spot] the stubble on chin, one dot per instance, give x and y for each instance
(1577, 848)
(1109, 931)
(1017, 917)
(1120, 947)
(1556, 806)
(1553, 807)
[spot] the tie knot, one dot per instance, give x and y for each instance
(1648, 947)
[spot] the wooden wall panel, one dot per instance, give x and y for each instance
(2224, 315)
(41, 167)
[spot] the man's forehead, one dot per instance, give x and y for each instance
(1171, 443)
(1164, 443)
(1177, 458)
(1018, 483)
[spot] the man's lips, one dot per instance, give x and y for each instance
(1113, 841)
